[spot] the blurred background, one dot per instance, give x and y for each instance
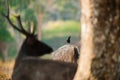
(55, 20)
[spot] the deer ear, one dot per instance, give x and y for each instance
(30, 41)
(36, 35)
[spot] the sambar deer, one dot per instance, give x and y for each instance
(29, 67)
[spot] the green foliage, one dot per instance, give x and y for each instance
(61, 29)
(29, 16)
(67, 9)
(20, 5)
(12, 52)
(56, 33)
(23, 8)
(4, 33)
(39, 6)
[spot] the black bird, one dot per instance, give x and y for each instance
(68, 40)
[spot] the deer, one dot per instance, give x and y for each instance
(31, 45)
(27, 64)
(66, 53)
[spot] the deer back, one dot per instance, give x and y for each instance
(38, 69)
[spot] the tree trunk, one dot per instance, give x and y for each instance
(40, 19)
(103, 18)
(106, 64)
(4, 50)
(86, 53)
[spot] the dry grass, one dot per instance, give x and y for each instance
(6, 70)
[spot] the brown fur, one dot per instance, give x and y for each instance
(38, 69)
(66, 53)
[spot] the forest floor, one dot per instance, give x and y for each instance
(6, 69)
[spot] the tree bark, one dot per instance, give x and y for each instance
(3, 50)
(40, 19)
(106, 64)
(87, 34)
(103, 19)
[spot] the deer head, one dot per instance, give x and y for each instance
(31, 45)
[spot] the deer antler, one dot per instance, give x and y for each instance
(7, 16)
(34, 28)
(21, 29)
